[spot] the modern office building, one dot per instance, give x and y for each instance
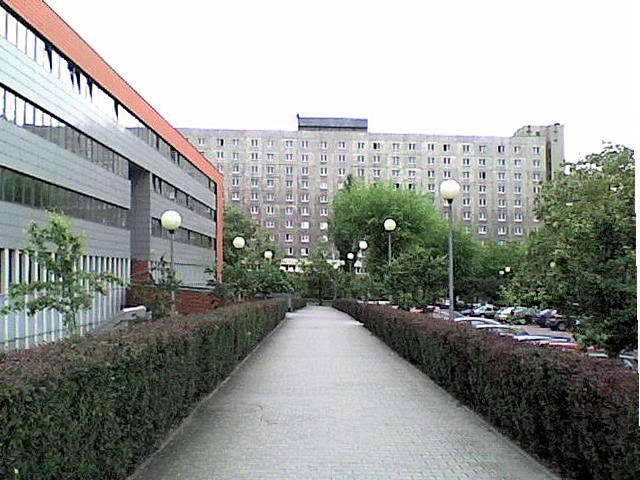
(286, 179)
(76, 138)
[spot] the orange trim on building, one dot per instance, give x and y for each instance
(52, 27)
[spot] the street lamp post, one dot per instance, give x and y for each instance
(389, 225)
(350, 257)
(450, 189)
(268, 255)
(171, 220)
(362, 245)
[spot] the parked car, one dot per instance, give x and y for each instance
(529, 337)
(502, 330)
(628, 359)
(486, 311)
(543, 316)
(477, 321)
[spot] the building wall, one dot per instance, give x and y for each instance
(269, 171)
(74, 135)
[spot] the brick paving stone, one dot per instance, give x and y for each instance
(322, 398)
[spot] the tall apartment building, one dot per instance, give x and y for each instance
(76, 138)
(285, 179)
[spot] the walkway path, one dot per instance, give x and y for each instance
(324, 399)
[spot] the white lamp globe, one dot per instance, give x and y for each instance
(239, 242)
(507, 269)
(501, 272)
(363, 245)
(268, 254)
(552, 264)
(389, 224)
(350, 256)
(449, 189)
(171, 220)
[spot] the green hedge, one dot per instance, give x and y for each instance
(94, 407)
(579, 414)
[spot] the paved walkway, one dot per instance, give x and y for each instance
(324, 399)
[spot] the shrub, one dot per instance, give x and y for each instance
(93, 407)
(579, 414)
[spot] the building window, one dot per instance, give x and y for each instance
(412, 173)
(255, 196)
(466, 162)
(517, 149)
(342, 145)
(255, 182)
(304, 197)
(517, 162)
(324, 171)
(255, 209)
(289, 252)
(377, 145)
(482, 162)
(376, 158)
(411, 161)
(500, 148)
(304, 211)
(502, 162)
(501, 189)
(517, 217)
(270, 183)
(342, 172)
(289, 210)
(288, 144)
(360, 145)
(395, 173)
(517, 189)
(431, 160)
(235, 142)
(431, 174)
(482, 202)
(536, 163)
(466, 201)
(466, 148)
(288, 157)
(360, 172)
(324, 212)
(288, 237)
(253, 155)
(446, 174)
(305, 158)
(466, 188)
(482, 216)
(304, 171)
(235, 182)
(446, 147)
(304, 238)
(502, 217)
(269, 209)
(536, 150)
(288, 197)
(482, 188)
(270, 224)
(502, 202)
(376, 173)
(323, 144)
(235, 196)
(446, 160)
(360, 158)
(517, 176)
(220, 142)
(482, 229)
(395, 146)
(304, 143)
(411, 146)
(324, 198)
(254, 142)
(502, 230)
(482, 175)
(254, 169)
(431, 187)
(324, 225)
(517, 203)
(466, 215)
(517, 231)
(201, 142)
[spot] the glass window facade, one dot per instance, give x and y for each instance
(32, 192)
(182, 235)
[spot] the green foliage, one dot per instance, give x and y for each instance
(154, 290)
(65, 288)
(246, 273)
(579, 414)
(589, 235)
(359, 213)
(94, 407)
(319, 278)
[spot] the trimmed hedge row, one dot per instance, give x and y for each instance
(94, 407)
(578, 414)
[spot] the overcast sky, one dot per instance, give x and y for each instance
(460, 67)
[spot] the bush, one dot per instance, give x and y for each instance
(578, 414)
(298, 302)
(93, 407)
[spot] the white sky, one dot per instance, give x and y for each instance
(461, 67)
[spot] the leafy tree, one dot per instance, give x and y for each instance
(246, 273)
(319, 277)
(360, 211)
(583, 259)
(65, 288)
(154, 289)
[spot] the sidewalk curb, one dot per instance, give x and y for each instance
(187, 420)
